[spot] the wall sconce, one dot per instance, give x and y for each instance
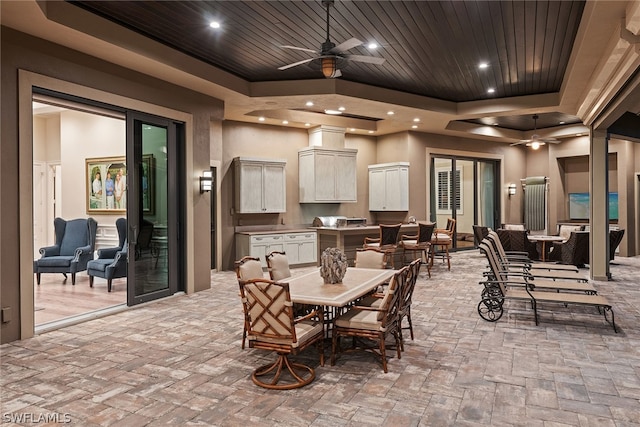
(206, 181)
(511, 189)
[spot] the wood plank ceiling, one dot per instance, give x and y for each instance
(431, 48)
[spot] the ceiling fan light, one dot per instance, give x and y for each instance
(329, 67)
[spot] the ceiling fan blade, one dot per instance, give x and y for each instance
(295, 64)
(517, 143)
(368, 59)
(351, 43)
(299, 48)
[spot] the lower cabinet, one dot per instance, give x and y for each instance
(301, 248)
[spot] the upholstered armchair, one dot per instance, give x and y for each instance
(111, 262)
(74, 245)
(574, 251)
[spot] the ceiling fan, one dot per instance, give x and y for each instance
(536, 141)
(332, 58)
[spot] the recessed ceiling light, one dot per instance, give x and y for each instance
(370, 131)
(562, 123)
(261, 119)
(416, 120)
(491, 90)
(332, 112)
(372, 45)
(341, 108)
(309, 104)
(352, 129)
(483, 65)
(414, 127)
(390, 113)
(285, 122)
(214, 24)
(578, 134)
(307, 124)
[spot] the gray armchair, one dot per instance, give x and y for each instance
(75, 243)
(111, 262)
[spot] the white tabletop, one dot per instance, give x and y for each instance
(543, 237)
(309, 288)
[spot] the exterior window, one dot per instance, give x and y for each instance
(444, 190)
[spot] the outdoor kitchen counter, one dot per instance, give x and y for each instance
(349, 239)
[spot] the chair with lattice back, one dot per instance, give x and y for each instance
(272, 326)
(247, 268)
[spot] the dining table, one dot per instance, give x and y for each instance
(309, 288)
(543, 239)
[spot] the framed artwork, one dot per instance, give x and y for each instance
(106, 179)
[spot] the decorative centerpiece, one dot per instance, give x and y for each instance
(333, 265)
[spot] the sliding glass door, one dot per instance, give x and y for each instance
(464, 189)
(153, 207)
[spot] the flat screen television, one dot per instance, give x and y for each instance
(579, 206)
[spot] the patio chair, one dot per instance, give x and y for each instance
(111, 262)
(278, 265)
(372, 323)
(370, 258)
(574, 251)
(496, 290)
(247, 268)
(443, 239)
(272, 327)
(420, 242)
(387, 242)
(74, 246)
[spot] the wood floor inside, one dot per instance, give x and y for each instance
(56, 298)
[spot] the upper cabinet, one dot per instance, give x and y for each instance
(260, 185)
(327, 175)
(389, 187)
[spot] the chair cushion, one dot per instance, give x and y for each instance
(99, 264)
(55, 261)
(304, 332)
(279, 267)
(564, 231)
(370, 259)
(514, 227)
(251, 270)
(359, 319)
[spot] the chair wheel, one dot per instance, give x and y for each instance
(490, 309)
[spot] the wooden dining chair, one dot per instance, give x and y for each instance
(387, 241)
(419, 243)
(247, 268)
(372, 323)
(443, 239)
(370, 258)
(272, 327)
(278, 265)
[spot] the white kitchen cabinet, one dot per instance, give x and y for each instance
(300, 247)
(389, 187)
(260, 185)
(327, 175)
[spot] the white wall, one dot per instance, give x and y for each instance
(82, 136)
